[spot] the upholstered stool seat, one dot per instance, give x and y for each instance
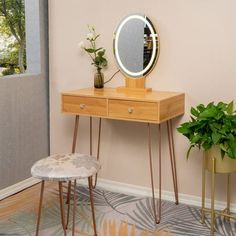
(61, 168)
(65, 167)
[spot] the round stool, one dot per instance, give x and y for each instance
(61, 168)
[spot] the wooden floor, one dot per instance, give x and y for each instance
(28, 201)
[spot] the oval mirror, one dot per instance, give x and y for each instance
(136, 46)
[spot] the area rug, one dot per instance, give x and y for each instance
(18, 215)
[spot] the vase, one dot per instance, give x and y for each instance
(98, 79)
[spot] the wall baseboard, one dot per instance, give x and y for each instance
(129, 189)
(15, 188)
(141, 191)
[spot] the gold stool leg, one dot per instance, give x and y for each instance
(213, 197)
(92, 204)
(203, 189)
(62, 208)
(68, 202)
(40, 207)
(74, 208)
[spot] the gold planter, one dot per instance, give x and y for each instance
(213, 162)
(226, 165)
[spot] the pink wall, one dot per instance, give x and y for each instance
(198, 56)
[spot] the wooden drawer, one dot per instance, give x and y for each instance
(84, 105)
(132, 109)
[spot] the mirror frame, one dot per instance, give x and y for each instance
(155, 51)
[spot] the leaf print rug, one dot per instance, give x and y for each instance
(18, 215)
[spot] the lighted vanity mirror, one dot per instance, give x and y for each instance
(136, 46)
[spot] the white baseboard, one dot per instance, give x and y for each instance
(136, 190)
(13, 189)
(130, 189)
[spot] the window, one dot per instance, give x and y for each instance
(12, 37)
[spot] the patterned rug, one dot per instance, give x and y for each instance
(18, 215)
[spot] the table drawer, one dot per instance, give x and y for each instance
(132, 109)
(84, 105)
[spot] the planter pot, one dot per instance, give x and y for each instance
(226, 165)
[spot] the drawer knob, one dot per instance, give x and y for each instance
(82, 106)
(130, 110)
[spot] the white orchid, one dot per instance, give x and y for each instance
(81, 45)
(96, 54)
(90, 36)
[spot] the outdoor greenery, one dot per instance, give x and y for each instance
(214, 124)
(12, 32)
(96, 54)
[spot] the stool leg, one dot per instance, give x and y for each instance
(68, 202)
(40, 207)
(203, 189)
(92, 204)
(213, 197)
(62, 208)
(74, 208)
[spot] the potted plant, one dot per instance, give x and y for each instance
(97, 55)
(213, 129)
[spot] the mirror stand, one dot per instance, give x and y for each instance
(134, 85)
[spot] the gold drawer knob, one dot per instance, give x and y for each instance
(130, 110)
(82, 106)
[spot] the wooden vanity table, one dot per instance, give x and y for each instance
(152, 107)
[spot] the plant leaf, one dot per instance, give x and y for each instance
(215, 137)
(194, 112)
(188, 152)
(230, 108)
(89, 50)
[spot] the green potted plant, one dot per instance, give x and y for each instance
(213, 129)
(97, 55)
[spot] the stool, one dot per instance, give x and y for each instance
(61, 168)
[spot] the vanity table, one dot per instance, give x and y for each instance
(152, 107)
(136, 46)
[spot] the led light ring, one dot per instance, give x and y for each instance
(128, 72)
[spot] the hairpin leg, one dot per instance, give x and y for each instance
(172, 159)
(62, 208)
(92, 204)
(74, 209)
(40, 207)
(98, 149)
(73, 151)
(157, 220)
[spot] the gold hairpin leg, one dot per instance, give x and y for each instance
(157, 218)
(172, 159)
(92, 204)
(40, 207)
(98, 149)
(73, 151)
(62, 208)
(74, 209)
